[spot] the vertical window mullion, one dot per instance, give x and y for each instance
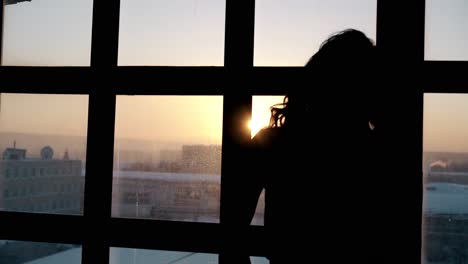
(98, 183)
(105, 35)
(239, 34)
(238, 61)
(400, 30)
(400, 40)
(100, 144)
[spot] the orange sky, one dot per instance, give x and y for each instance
(198, 119)
(188, 119)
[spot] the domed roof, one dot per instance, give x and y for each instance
(47, 153)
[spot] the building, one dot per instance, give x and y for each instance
(43, 185)
(11, 2)
(170, 196)
(201, 158)
(185, 186)
(166, 196)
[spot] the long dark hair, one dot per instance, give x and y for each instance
(344, 51)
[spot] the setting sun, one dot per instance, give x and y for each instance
(255, 125)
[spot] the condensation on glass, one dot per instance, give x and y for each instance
(446, 31)
(288, 33)
(445, 177)
(14, 251)
(47, 32)
(143, 256)
(43, 148)
(167, 161)
(172, 32)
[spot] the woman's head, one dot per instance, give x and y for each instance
(344, 50)
(345, 60)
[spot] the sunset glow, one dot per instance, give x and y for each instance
(255, 125)
(261, 112)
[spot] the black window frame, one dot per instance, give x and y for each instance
(400, 37)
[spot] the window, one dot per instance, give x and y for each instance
(37, 130)
(282, 39)
(260, 119)
(445, 176)
(259, 260)
(137, 256)
(168, 158)
(172, 33)
(261, 112)
(446, 34)
(12, 251)
(47, 33)
(236, 35)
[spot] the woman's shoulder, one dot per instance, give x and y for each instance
(269, 136)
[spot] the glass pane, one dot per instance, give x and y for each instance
(288, 33)
(144, 256)
(261, 112)
(446, 32)
(445, 172)
(43, 144)
(172, 32)
(168, 157)
(19, 252)
(259, 216)
(259, 260)
(47, 32)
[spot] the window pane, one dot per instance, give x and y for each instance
(261, 111)
(144, 256)
(288, 33)
(172, 32)
(19, 252)
(43, 144)
(446, 32)
(260, 119)
(47, 32)
(168, 158)
(259, 218)
(259, 260)
(445, 172)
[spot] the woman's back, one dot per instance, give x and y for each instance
(317, 196)
(320, 159)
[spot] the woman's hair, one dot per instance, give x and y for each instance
(344, 52)
(278, 113)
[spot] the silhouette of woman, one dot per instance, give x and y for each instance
(316, 157)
